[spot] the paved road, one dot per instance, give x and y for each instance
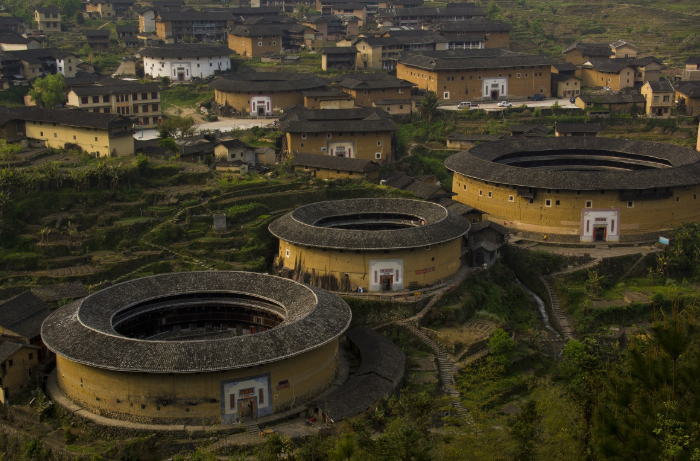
(224, 124)
(493, 106)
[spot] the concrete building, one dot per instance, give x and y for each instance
(477, 75)
(354, 133)
(659, 98)
(140, 101)
(48, 19)
(373, 244)
(197, 348)
(580, 188)
(182, 61)
(263, 93)
(99, 133)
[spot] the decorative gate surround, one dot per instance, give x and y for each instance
(597, 222)
(386, 275)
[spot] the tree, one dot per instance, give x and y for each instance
(648, 408)
(526, 432)
(67, 7)
(168, 143)
(177, 126)
(344, 449)
(429, 106)
(49, 91)
(79, 18)
(501, 347)
(493, 11)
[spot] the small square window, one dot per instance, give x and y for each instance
(95, 138)
(557, 202)
(531, 201)
(465, 187)
(511, 198)
(377, 155)
(518, 75)
(475, 220)
(287, 252)
(259, 43)
(446, 95)
(589, 204)
(481, 192)
(427, 248)
(490, 195)
(328, 136)
(303, 136)
(41, 133)
(548, 202)
(630, 204)
(301, 144)
(678, 199)
(379, 143)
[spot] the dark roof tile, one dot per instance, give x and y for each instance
(23, 314)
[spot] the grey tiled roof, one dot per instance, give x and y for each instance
(564, 66)
(82, 330)
(97, 33)
(332, 162)
(185, 49)
(339, 50)
(299, 226)
(474, 25)
(23, 314)
(471, 59)
(689, 89)
(462, 9)
(370, 81)
(193, 15)
(380, 373)
(331, 93)
(612, 98)
(299, 120)
(74, 117)
(115, 89)
(662, 86)
(474, 137)
(693, 60)
(7, 349)
(412, 39)
(577, 127)
(133, 29)
(13, 38)
(486, 245)
(488, 224)
(608, 65)
(590, 49)
(48, 9)
(268, 81)
(479, 162)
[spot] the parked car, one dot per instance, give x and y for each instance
(464, 105)
(505, 104)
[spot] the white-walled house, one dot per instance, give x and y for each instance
(67, 64)
(182, 61)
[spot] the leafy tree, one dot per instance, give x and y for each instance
(79, 18)
(429, 106)
(314, 449)
(403, 441)
(177, 126)
(501, 347)
(526, 431)
(649, 407)
(49, 91)
(493, 11)
(168, 143)
(345, 448)
(682, 256)
(67, 7)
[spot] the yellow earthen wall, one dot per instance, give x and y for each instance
(58, 136)
(366, 100)
(470, 88)
(308, 375)
(323, 173)
(444, 258)
(643, 217)
(247, 47)
(365, 143)
(616, 81)
(17, 375)
(241, 101)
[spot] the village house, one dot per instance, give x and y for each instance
(485, 242)
(529, 131)
(332, 27)
(128, 35)
(615, 74)
(253, 41)
(20, 322)
(611, 102)
(98, 40)
(565, 86)
(577, 129)
(289, 6)
(326, 6)
(182, 61)
(263, 93)
(469, 140)
(12, 41)
(493, 34)
(580, 52)
(339, 58)
(353, 133)
(48, 19)
(245, 13)
(39, 62)
(328, 99)
(357, 10)
(203, 26)
(19, 364)
(140, 101)
(365, 89)
(692, 69)
(148, 14)
(332, 167)
(381, 52)
(12, 24)
(477, 75)
(394, 106)
(417, 17)
(659, 98)
(426, 187)
(687, 97)
(233, 150)
(99, 9)
(104, 134)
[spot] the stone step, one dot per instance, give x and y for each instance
(253, 429)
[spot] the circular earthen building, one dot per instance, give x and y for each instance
(580, 188)
(197, 347)
(373, 244)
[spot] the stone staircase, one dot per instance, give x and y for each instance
(558, 316)
(571, 269)
(252, 428)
